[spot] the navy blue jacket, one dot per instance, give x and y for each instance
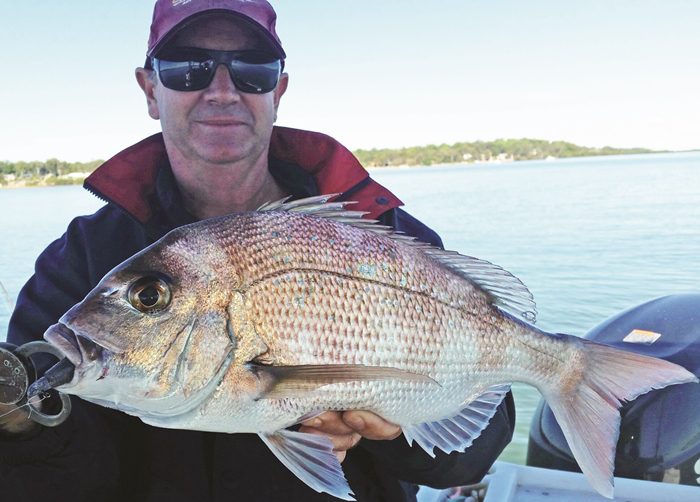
(102, 454)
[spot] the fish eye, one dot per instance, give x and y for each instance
(149, 294)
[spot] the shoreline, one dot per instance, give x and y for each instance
(51, 181)
(17, 185)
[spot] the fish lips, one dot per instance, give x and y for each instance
(78, 349)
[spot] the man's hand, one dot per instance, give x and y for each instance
(345, 428)
(15, 420)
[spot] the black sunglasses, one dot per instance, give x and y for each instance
(191, 69)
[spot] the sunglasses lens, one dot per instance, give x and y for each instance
(185, 75)
(257, 78)
(191, 69)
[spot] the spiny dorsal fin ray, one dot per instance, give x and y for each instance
(273, 206)
(507, 292)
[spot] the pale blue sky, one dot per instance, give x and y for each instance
(376, 73)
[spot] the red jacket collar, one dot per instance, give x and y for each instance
(128, 178)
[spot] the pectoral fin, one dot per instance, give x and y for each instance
(310, 457)
(459, 432)
(294, 381)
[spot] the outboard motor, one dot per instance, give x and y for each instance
(660, 431)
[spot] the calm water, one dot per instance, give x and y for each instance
(590, 237)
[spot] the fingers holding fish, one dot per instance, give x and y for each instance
(329, 422)
(370, 425)
(331, 425)
(15, 419)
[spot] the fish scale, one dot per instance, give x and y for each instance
(382, 307)
(263, 319)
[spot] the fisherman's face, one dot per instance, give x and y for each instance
(218, 124)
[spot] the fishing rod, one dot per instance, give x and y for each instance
(8, 298)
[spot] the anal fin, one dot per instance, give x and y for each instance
(310, 457)
(457, 433)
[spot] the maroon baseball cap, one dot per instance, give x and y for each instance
(170, 16)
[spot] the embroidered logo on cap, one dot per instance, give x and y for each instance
(180, 2)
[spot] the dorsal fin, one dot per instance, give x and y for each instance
(506, 291)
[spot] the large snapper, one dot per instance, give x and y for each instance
(255, 321)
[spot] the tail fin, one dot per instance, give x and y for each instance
(587, 409)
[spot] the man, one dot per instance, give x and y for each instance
(214, 80)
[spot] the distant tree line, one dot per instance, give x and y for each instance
(54, 171)
(483, 151)
(48, 171)
(51, 167)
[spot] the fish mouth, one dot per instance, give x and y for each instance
(78, 349)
